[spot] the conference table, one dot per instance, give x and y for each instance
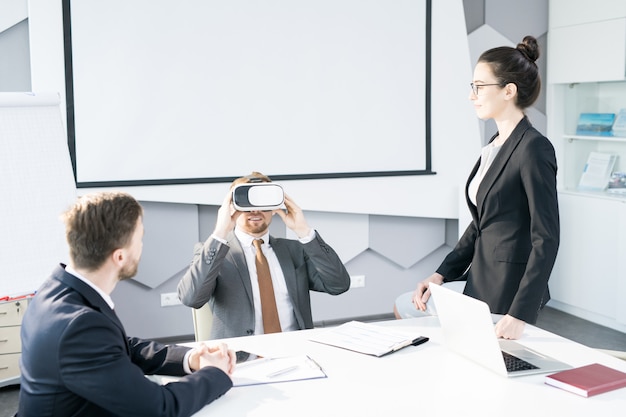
(424, 380)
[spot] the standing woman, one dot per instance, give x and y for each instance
(507, 253)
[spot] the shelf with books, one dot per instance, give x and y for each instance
(574, 107)
(575, 157)
(567, 103)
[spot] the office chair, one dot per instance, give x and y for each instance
(202, 322)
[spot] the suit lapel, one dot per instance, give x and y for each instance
(284, 257)
(238, 258)
(93, 299)
(499, 163)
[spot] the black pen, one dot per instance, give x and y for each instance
(420, 340)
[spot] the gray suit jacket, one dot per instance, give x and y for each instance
(511, 245)
(219, 275)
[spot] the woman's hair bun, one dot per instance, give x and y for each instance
(529, 47)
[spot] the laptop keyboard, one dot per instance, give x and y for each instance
(514, 364)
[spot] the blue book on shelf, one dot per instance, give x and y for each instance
(596, 124)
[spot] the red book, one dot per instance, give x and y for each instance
(588, 380)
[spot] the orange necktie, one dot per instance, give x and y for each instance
(271, 323)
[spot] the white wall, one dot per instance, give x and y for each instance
(13, 12)
(455, 129)
(375, 224)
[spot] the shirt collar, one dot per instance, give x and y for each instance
(106, 297)
(246, 239)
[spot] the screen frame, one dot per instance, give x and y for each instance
(71, 125)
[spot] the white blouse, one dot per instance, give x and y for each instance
(487, 155)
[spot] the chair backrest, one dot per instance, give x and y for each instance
(202, 322)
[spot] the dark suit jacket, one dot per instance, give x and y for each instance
(77, 361)
(219, 275)
(511, 245)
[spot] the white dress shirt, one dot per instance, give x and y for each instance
(283, 300)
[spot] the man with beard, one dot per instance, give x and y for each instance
(76, 358)
(223, 272)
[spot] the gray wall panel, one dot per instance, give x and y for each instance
(15, 62)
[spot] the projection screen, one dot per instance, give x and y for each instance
(193, 91)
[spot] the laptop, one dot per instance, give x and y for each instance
(468, 330)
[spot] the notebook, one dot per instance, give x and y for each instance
(468, 330)
(592, 379)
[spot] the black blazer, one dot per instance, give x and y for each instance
(77, 361)
(507, 252)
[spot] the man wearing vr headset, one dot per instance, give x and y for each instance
(223, 271)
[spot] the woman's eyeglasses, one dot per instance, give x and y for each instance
(475, 87)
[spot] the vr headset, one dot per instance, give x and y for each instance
(259, 196)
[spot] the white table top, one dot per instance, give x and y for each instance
(418, 380)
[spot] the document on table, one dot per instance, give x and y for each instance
(369, 339)
(272, 370)
(265, 371)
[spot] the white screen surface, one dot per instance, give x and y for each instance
(197, 89)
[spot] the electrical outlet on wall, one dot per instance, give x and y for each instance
(357, 281)
(169, 299)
